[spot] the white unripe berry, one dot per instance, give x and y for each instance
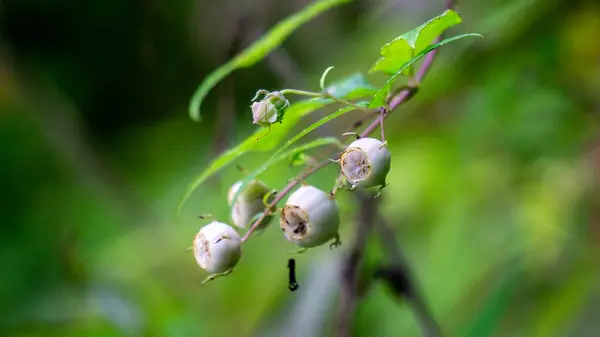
(365, 163)
(248, 204)
(310, 217)
(217, 247)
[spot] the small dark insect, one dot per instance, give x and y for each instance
(292, 284)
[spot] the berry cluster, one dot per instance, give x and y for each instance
(310, 216)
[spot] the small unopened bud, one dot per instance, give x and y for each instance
(270, 109)
(264, 113)
(310, 217)
(249, 204)
(365, 163)
(217, 247)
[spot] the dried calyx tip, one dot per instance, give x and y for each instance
(365, 163)
(294, 221)
(310, 217)
(355, 164)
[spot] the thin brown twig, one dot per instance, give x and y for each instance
(281, 194)
(398, 274)
(351, 263)
(381, 113)
(401, 98)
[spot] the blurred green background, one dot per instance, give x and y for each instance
(493, 190)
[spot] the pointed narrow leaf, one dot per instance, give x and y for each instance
(401, 49)
(379, 97)
(221, 161)
(258, 50)
(352, 87)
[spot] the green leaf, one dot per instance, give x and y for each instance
(402, 48)
(221, 161)
(258, 50)
(281, 155)
(352, 87)
(379, 97)
(423, 36)
(393, 54)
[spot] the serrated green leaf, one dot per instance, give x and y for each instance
(352, 87)
(281, 155)
(258, 50)
(402, 48)
(379, 97)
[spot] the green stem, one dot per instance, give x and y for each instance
(325, 95)
(343, 101)
(301, 92)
